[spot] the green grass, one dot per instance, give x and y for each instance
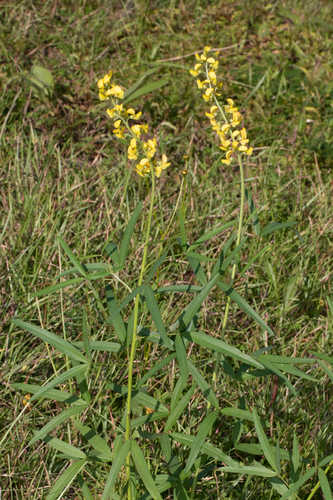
(62, 173)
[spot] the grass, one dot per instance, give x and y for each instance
(63, 174)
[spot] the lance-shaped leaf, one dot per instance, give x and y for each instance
(114, 315)
(204, 429)
(67, 449)
(72, 372)
(65, 480)
(267, 449)
(156, 315)
(60, 344)
(117, 464)
(143, 471)
(99, 444)
(56, 421)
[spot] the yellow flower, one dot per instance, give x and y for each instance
(132, 114)
(119, 132)
(161, 165)
(115, 91)
(149, 148)
(208, 94)
(143, 167)
(117, 110)
(132, 151)
(227, 159)
(136, 129)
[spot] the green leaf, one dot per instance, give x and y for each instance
(144, 400)
(54, 394)
(42, 80)
(207, 448)
(181, 357)
(65, 480)
(67, 449)
(179, 408)
(74, 260)
(111, 251)
(125, 242)
(139, 83)
(296, 486)
(266, 447)
(326, 369)
(192, 308)
(244, 305)
(56, 421)
(155, 369)
(204, 429)
(60, 344)
(146, 89)
(205, 388)
(276, 226)
(114, 315)
(211, 234)
(48, 290)
(117, 464)
(238, 413)
(250, 470)
(143, 471)
(101, 345)
(295, 457)
(324, 484)
(217, 345)
(156, 315)
(72, 372)
(97, 442)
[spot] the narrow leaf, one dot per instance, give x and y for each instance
(60, 344)
(296, 486)
(266, 447)
(250, 470)
(74, 260)
(117, 464)
(96, 441)
(178, 410)
(143, 471)
(72, 372)
(207, 448)
(57, 421)
(156, 315)
(217, 345)
(244, 305)
(65, 480)
(67, 449)
(324, 484)
(205, 388)
(204, 429)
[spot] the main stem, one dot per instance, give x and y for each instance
(134, 336)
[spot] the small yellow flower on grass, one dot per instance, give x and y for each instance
(138, 149)
(26, 400)
(232, 138)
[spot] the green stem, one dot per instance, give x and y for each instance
(134, 336)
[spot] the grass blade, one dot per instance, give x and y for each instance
(324, 484)
(205, 388)
(114, 315)
(74, 260)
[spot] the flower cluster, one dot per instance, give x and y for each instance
(141, 149)
(232, 138)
